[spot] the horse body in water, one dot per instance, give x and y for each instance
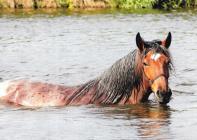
(130, 80)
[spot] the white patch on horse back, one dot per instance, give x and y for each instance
(155, 56)
(3, 88)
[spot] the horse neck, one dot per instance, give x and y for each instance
(122, 83)
(141, 93)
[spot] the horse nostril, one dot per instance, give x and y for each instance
(159, 94)
(169, 92)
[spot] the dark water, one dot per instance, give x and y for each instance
(73, 48)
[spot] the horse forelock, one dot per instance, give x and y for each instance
(153, 46)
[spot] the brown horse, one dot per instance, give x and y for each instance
(130, 80)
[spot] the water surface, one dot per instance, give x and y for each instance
(72, 48)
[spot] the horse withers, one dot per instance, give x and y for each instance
(130, 80)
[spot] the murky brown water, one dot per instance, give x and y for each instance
(73, 48)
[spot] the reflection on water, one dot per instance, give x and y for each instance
(72, 48)
(156, 123)
(146, 121)
(151, 121)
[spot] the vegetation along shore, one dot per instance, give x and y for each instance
(82, 4)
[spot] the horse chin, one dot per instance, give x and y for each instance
(163, 99)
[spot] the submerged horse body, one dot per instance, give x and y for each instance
(129, 80)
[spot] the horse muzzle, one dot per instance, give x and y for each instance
(163, 97)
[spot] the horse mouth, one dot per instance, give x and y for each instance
(163, 98)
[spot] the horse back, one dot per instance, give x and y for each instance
(36, 94)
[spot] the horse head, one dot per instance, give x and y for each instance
(155, 63)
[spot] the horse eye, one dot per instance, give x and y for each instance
(145, 64)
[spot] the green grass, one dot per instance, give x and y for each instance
(178, 4)
(134, 4)
(168, 4)
(65, 3)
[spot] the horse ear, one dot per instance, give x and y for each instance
(139, 42)
(166, 43)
